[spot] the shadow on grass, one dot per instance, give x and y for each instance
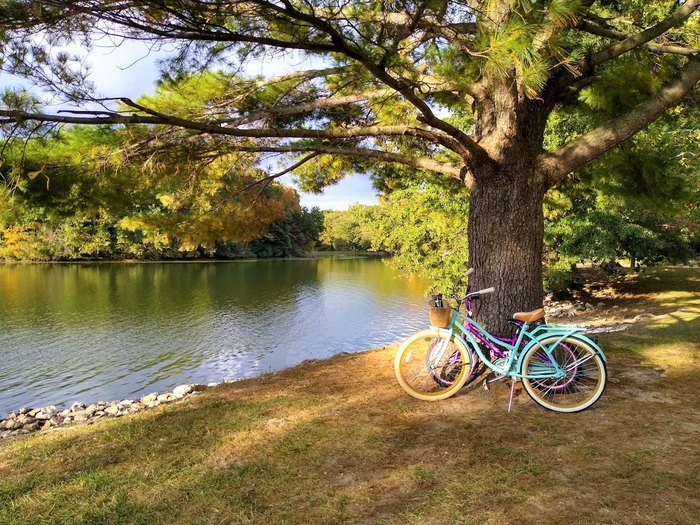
(337, 441)
(356, 450)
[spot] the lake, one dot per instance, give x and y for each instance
(106, 331)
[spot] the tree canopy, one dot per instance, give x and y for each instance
(406, 73)
(406, 90)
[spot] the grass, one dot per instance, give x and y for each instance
(337, 441)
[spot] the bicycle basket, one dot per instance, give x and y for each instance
(440, 316)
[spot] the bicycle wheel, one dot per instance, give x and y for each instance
(430, 367)
(583, 383)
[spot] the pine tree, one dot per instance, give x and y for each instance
(460, 88)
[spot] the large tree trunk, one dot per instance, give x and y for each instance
(506, 233)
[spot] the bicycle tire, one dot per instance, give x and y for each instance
(583, 384)
(429, 372)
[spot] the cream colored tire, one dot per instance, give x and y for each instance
(422, 375)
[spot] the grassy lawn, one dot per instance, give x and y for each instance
(338, 441)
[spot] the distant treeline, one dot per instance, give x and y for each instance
(81, 193)
(293, 235)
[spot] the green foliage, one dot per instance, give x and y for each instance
(349, 230)
(425, 229)
(78, 194)
(151, 189)
(589, 225)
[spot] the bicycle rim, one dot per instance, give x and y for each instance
(582, 385)
(429, 367)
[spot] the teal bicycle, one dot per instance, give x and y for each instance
(560, 367)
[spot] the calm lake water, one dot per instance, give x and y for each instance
(108, 331)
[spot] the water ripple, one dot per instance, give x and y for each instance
(108, 331)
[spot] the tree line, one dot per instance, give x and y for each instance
(78, 193)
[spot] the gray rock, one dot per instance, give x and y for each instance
(77, 407)
(24, 410)
(165, 398)
(150, 398)
(92, 409)
(12, 424)
(126, 403)
(212, 385)
(81, 416)
(183, 390)
(112, 410)
(33, 427)
(26, 420)
(589, 306)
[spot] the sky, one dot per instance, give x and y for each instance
(131, 70)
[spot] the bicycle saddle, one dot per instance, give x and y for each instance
(529, 317)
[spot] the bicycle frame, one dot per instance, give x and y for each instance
(510, 352)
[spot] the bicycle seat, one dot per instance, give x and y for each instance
(529, 317)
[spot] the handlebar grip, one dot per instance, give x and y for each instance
(487, 290)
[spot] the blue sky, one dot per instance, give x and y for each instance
(130, 70)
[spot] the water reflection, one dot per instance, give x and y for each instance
(108, 331)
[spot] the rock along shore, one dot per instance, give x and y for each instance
(27, 420)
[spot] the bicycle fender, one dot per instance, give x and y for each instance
(594, 345)
(574, 331)
(562, 335)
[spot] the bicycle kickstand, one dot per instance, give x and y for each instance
(512, 392)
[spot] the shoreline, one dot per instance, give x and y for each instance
(27, 420)
(308, 256)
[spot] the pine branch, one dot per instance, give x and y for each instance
(422, 163)
(469, 149)
(303, 107)
(559, 163)
(634, 41)
(220, 128)
(265, 181)
(608, 32)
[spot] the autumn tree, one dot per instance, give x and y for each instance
(460, 88)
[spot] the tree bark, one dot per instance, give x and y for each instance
(506, 234)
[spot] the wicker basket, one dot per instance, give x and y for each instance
(440, 316)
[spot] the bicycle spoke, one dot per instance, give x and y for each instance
(583, 377)
(429, 366)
